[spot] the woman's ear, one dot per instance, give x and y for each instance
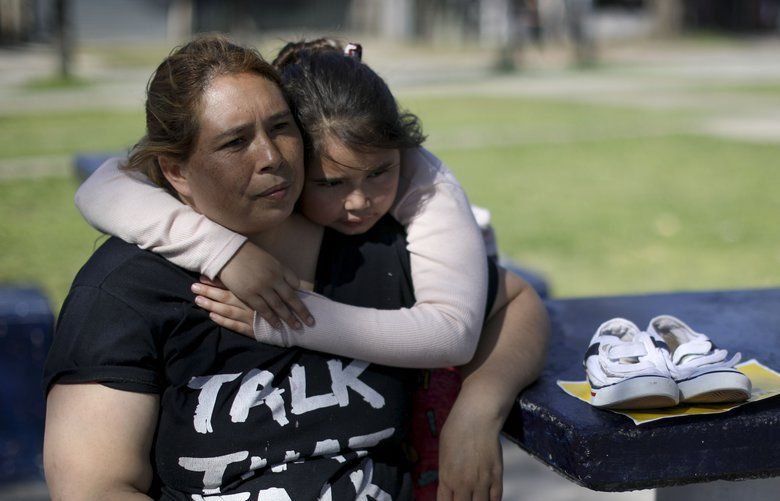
(176, 174)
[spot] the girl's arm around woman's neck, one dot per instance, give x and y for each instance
(296, 244)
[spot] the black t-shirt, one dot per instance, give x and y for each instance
(238, 418)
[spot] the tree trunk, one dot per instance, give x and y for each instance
(668, 16)
(180, 20)
(64, 37)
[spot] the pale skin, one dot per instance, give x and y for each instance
(341, 195)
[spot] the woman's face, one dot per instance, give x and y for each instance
(350, 189)
(246, 168)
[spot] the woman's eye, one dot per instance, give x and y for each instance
(377, 173)
(235, 143)
(280, 126)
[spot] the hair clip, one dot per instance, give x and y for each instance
(354, 50)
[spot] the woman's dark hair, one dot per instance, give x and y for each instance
(334, 95)
(174, 93)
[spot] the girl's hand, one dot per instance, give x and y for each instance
(267, 286)
(224, 308)
(470, 462)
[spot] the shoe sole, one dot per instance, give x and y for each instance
(641, 392)
(715, 388)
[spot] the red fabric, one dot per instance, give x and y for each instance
(432, 403)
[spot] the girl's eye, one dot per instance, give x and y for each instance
(328, 184)
(377, 173)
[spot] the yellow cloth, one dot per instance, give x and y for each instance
(765, 382)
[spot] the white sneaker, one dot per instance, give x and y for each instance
(628, 368)
(701, 370)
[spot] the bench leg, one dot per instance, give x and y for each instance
(746, 490)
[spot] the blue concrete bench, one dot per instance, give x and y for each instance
(607, 452)
(26, 330)
(85, 164)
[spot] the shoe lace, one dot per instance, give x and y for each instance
(699, 353)
(695, 351)
(627, 357)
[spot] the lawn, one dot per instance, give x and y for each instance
(43, 239)
(58, 133)
(626, 216)
(600, 200)
(607, 200)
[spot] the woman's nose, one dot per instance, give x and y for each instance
(269, 158)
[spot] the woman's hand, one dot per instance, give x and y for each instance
(224, 308)
(267, 286)
(470, 462)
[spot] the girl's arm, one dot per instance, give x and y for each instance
(128, 205)
(446, 248)
(98, 442)
(448, 270)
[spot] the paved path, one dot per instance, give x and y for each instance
(659, 76)
(732, 91)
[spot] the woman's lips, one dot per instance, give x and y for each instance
(275, 192)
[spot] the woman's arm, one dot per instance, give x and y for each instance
(510, 356)
(513, 346)
(97, 443)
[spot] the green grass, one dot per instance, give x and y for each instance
(764, 90)
(482, 121)
(628, 216)
(600, 200)
(43, 239)
(57, 133)
(606, 200)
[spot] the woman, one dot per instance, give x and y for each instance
(218, 413)
(465, 431)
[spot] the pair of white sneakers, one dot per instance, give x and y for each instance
(669, 363)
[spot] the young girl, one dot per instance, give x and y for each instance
(360, 165)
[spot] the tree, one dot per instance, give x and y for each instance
(668, 16)
(180, 19)
(64, 36)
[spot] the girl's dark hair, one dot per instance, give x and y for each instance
(334, 95)
(174, 93)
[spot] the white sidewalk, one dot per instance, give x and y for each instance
(527, 479)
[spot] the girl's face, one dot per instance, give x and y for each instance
(349, 189)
